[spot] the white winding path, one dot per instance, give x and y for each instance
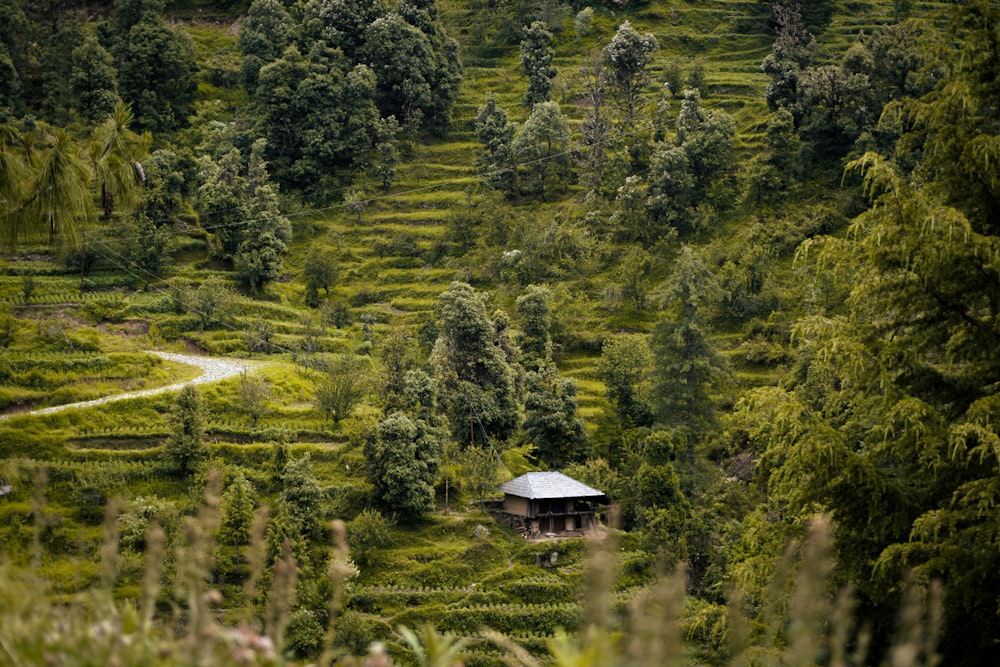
(213, 370)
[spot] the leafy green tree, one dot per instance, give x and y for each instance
(55, 67)
(402, 460)
(140, 244)
(213, 302)
(770, 175)
(475, 379)
(630, 219)
(633, 274)
(583, 22)
(837, 107)
(302, 497)
(622, 367)
(404, 62)
(185, 446)
(94, 80)
(398, 353)
(672, 190)
(627, 57)
(536, 59)
(255, 396)
(259, 258)
(128, 13)
(893, 412)
(711, 154)
(241, 207)
(366, 534)
(387, 150)
(341, 387)
(165, 188)
(480, 472)
(221, 201)
(320, 270)
(265, 33)
(237, 506)
(14, 39)
(542, 147)
(596, 125)
(318, 115)
(686, 368)
(534, 313)
(495, 131)
(157, 74)
(551, 423)
(792, 52)
(341, 24)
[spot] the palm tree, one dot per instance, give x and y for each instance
(59, 199)
(115, 154)
(13, 181)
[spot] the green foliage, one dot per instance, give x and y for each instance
(213, 302)
(255, 396)
(264, 34)
(265, 240)
(496, 133)
(367, 533)
(402, 461)
(536, 59)
(94, 81)
(792, 52)
(686, 368)
(157, 73)
(551, 422)
(480, 472)
(627, 57)
(542, 147)
(624, 360)
(238, 504)
(185, 447)
(473, 372)
(341, 386)
(533, 310)
(320, 272)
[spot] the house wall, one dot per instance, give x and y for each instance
(515, 505)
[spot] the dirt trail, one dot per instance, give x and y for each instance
(213, 369)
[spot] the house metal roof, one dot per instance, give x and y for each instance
(545, 485)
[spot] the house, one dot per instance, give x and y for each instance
(550, 503)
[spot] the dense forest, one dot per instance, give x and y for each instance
(734, 263)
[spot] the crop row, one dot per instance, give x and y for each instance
(512, 618)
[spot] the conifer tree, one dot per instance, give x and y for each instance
(496, 133)
(627, 57)
(476, 380)
(893, 413)
(536, 59)
(185, 446)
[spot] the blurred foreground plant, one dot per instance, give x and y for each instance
(802, 619)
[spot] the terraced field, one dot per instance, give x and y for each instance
(395, 257)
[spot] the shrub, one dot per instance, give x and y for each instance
(368, 533)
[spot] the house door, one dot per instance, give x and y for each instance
(558, 524)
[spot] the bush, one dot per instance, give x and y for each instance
(355, 633)
(305, 633)
(368, 533)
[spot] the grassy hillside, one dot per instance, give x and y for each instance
(68, 338)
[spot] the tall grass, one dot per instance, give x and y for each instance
(802, 620)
